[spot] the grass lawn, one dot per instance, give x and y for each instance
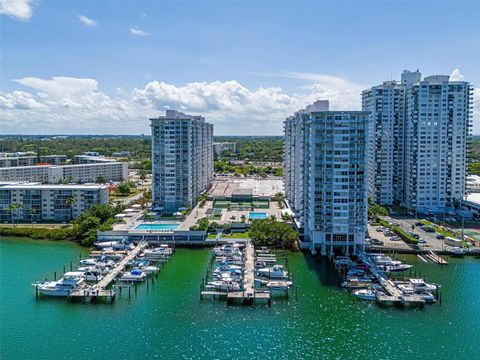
(242, 235)
(438, 229)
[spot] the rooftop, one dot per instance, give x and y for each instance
(39, 186)
(474, 198)
(254, 186)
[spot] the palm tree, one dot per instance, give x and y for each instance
(14, 208)
(243, 218)
(70, 201)
(32, 212)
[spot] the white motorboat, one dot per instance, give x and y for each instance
(273, 272)
(105, 244)
(227, 250)
(149, 269)
(133, 275)
(384, 260)
(366, 294)
(95, 270)
(88, 262)
(279, 285)
(408, 291)
(227, 285)
(421, 285)
(227, 276)
(342, 261)
(71, 281)
(455, 250)
(92, 276)
(228, 267)
(123, 246)
(396, 268)
(157, 253)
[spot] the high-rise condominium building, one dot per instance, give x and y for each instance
(420, 132)
(325, 176)
(182, 160)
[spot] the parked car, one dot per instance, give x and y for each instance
(429, 230)
(422, 241)
(440, 236)
(379, 229)
(394, 224)
(418, 223)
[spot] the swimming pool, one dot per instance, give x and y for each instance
(257, 215)
(165, 226)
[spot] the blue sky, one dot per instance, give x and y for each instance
(105, 67)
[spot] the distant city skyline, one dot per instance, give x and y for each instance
(106, 67)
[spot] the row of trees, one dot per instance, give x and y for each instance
(227, 167)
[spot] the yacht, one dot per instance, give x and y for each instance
(428, 297)
(342, 261)
(71, 281)
(421, 285)
(455, 250)
(88, 262)
(157, 253)
(279, 285)
(228, 267)
(366, 294)
(227, 249)
(396, 268)
(105, 244)
(133, 275)
(273, 272)
(225, 276)
(227, 285)
(148, 269)
(385, 260)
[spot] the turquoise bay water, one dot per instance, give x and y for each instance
(166, 226)
(169, 321)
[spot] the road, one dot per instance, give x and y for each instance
(406, 223)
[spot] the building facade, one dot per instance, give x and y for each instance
(48, 202)
(420, 130)
(182, 160)
(219, 148)
(90, 159)
(110, 171)
(326, 176)
(12, 160)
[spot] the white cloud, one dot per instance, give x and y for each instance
(456, 75)
(136, 31)
(87, 21)
(76, 105)
(17, 9)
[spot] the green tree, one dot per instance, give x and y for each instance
(100, 180)
(124, 188)
(70, 201)
(375, 210)
(272, 232)
(14, 209)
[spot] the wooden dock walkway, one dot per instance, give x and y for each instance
(100, 289)
(393, 293)
(248, 294)
(436, 258)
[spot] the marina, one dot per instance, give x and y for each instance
(99, 277)
(166, 313)
(239, 273)
(369, 278)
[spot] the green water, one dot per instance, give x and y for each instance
(168, 320)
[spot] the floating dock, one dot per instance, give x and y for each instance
(436, 259)
(100, 290)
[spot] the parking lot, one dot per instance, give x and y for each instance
(428, 240)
